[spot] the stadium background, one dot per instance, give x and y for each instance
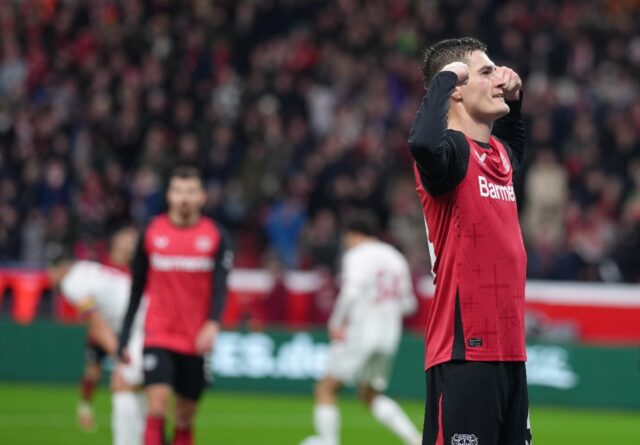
(297, 112)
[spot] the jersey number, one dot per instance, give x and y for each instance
(388, 286)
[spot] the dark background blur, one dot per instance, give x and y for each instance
(298, 112)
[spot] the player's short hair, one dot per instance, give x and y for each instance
(185, 172)
(56, 254)
(438, 55)
(363, 222)
(120, 228)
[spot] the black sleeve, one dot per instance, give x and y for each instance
(139, 268)
(442, 155)
(510, 129)
(223, 264)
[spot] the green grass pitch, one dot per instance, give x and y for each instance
(44, 415)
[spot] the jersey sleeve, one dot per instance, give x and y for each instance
(441, 155)
(223, 265)
(350, 288)
(139, 268)
(408, 302)
(77, 288)
(510, 129)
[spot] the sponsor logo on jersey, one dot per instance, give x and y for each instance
(464, 439)
(203, 243)
(161, 242)
(505, 163)
(495, 191)
(181, 263)
(481, 157)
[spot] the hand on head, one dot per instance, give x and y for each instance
(461, 69)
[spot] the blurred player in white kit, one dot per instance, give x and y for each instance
(101, 294)
(365, 328)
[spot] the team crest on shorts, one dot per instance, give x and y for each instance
(149, 362)
(464, 439)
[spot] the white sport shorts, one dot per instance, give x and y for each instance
(354, 365)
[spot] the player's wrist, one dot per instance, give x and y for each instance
(211, 324)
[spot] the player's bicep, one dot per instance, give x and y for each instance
(353, 277)
(442, 174)
(78, 290)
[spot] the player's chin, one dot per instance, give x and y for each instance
(501, 110)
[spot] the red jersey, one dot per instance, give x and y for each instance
(179, 281)
(479, 263)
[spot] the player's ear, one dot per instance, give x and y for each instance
(203, 197)
(456, 95)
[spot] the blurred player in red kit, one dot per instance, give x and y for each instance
(181, 264)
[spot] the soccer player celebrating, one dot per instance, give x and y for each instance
(181, 263)
(101, 294)
(365, 328)
(468, 140)
(120, 254)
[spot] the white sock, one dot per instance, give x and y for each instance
(326, 419)
(389, 413)
(128, 412)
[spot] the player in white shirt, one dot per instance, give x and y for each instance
(121, 249)
(365, 328)
(101, 294)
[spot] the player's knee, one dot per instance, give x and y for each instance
(184, 414)
(183, 420)
(325, 391)
(318, 390)
(92, 372)
(366, 394)
(158, 401)
(119, 383)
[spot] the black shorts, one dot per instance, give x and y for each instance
(187, 374)
(477, 403)
(93, 354)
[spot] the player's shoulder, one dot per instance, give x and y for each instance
(208, 223)
(366, 252)
(158, 221)
(82, 267)
(81, 274)
(457, 138)
(92, 270)
(389, 253)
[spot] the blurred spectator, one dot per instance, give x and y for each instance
(546, 189)
(98, 100)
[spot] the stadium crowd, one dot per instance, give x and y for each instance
(298, 112)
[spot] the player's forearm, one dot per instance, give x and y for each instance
(427, 135)
(338, 318)
(139, 270)
(223, 265)
(134, 303)
(409, 305)
(510, 129)
(102, 333)
(220, 291)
